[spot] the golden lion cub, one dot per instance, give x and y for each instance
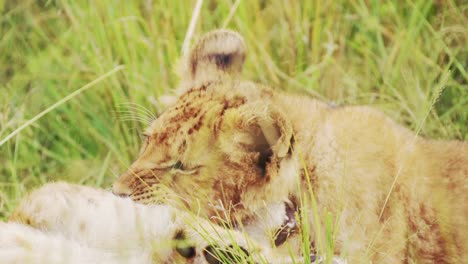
(238, 151)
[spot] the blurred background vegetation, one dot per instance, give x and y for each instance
(406, 58)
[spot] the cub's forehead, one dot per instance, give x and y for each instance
(196, 110)
(187, 116)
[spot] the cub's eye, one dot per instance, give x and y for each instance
(178, 166)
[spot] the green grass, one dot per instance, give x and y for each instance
(407, 58)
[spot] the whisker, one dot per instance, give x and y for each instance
(130, 113)
(134, 112)
(140, 109)
(135, 118)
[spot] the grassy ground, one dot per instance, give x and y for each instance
(407, 58)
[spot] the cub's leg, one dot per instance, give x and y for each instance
(25, 245)
(95, 218)
(104, 221)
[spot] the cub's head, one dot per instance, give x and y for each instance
(223, 148)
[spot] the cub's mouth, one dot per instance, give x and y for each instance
(279, 233)
(289, 226)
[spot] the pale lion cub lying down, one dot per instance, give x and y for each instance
(76, 224)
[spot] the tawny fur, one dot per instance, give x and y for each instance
(232, 149)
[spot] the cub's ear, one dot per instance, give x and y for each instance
(258, 127)
(218, 54)
(275, 129)
(271, 134)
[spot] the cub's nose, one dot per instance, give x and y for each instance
(121, 190)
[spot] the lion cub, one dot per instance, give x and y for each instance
(240, 152)
(64, 223)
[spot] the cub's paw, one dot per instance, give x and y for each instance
(221, 246)
(232, 254)
(314, 259)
